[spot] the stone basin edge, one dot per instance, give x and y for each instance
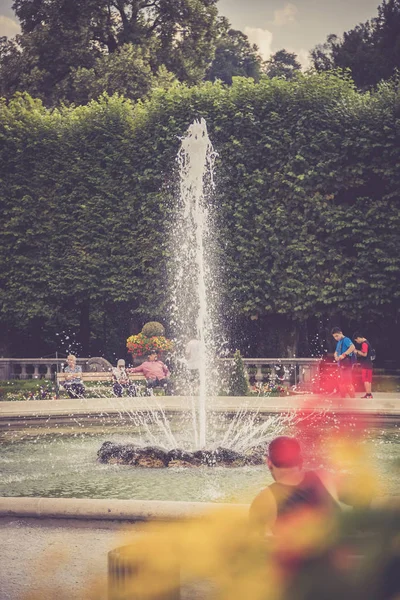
(108, 510)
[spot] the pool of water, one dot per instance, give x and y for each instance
(56, 465)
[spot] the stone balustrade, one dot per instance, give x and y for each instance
(292, 371)
(45, 368)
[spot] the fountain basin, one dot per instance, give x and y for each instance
(63, 463)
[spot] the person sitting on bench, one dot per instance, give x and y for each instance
(73, 379)
(121, 380)
(156, 372)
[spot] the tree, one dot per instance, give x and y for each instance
(356, 52)
(238, 381)
(56, 37)
(127, 71)
(234, 56)
(371, 50)
(387, 26)
(282, 64)
(61, 37)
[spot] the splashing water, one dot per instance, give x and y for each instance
(195, 316)
(193, 279)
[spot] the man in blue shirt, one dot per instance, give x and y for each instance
(345, 357)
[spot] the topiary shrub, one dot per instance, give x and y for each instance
(153, 329)
(238, 382)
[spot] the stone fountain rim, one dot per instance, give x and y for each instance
(107, 510)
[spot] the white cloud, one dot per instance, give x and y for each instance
(8, 27)
(303, 56)
(285, 15)
(261, 37)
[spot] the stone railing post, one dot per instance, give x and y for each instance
(297, 371)
(259, 375)
(6, 371)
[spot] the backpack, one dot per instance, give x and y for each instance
(371, 352)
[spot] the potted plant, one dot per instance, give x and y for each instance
(152, 337)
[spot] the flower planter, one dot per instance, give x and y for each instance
(140, 346)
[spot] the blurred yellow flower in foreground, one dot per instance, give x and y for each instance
(352, 456)
(216, 550)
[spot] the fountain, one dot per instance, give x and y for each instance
(193, 280)
(194, 316)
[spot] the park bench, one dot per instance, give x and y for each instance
(95, 376)
(98, 376)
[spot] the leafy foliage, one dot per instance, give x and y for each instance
(234, 56)
(307, 201)
(238, 382)
(127, 71)
(72, 50)
(282, 64)
(153, 328)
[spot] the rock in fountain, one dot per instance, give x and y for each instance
(158, 458)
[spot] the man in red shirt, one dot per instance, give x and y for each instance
(156, 372)
(364, 355)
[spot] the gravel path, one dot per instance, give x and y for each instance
(57, 560)
(45, 559)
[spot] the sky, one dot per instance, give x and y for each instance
(296, 25)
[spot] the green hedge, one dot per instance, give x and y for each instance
(307, 207)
